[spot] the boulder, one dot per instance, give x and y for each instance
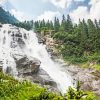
(43, 79)
(27, 66)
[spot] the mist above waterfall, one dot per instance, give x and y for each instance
(16, 42)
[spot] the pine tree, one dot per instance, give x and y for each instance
(92, 34)
(48, 25)
(69, 24)
(97, 34)
(36, 26)
(63, 24)
(51, 25)
(56, 24)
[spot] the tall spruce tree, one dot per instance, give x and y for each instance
(63, 24)
(92, 34)
(56, 24)
(69, 24)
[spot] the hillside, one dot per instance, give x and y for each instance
(6, 17)
(11, 89)
(76, 43)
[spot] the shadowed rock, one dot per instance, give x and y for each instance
(27, 66)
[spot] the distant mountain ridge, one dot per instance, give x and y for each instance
(6, 17)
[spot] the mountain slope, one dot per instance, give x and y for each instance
(6, 17)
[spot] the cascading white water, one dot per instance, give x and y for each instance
(6, 52)
(31, 48)
(39, 51)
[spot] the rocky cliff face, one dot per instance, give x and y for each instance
(50, 44)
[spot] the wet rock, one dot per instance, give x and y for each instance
(25, 37)
(0, 25)
(9, 32)
(41, 41)
(13, 44)
(8, 70)
(42, 78)
(18, 35)
(21, 43)
(46, 79)
(27, 66)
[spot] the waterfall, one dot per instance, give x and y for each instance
(6, 52)
(31, 48)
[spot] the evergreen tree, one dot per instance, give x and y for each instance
(63, 24)
(97, 34)
(51, 25)
(36, 26)
(92, 35)
(84, 35)
(69, 24)
(48, 25)
(56, 24)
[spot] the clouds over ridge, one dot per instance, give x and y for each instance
(76, 8)
(48, 15)
(62, 3)
(83, 11)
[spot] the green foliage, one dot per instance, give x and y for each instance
(78, 43)
(56, 24)
(11, 89)
(28, 25)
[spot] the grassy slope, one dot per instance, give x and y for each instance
(11, 89)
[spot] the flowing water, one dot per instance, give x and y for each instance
(29, 46)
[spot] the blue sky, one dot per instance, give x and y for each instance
(48, 9)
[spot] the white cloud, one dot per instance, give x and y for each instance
(60, 3)
(94, 11)
(48, 15)
(18, 14)
(83, 12)
(80, 13)
(2, 1)
(79, 0)
(93, 2)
